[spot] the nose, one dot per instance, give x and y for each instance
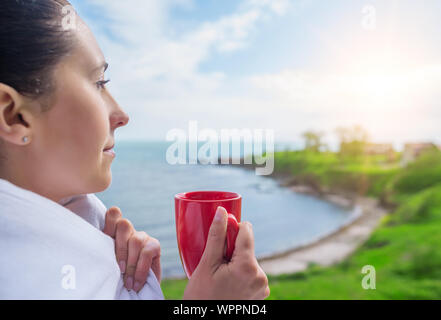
(118, 118)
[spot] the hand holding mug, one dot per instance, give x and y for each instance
(194, 212)
(217, 279)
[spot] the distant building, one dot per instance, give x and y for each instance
(413, 150)
(385, 149)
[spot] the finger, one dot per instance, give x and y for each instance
(124, 230)
(136, 243)
(148, 253)
(214, 249)
(142, 269)
(245, 241)
(156, 268)
(112, 216)
(156, 261)
(262, 294)
(267, 292)
(260, 285)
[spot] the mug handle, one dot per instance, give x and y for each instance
(232, 231)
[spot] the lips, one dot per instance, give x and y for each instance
(109, 151)
(109, 148)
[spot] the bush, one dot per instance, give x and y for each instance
(419, 208)
(421, 263)
(423, 173)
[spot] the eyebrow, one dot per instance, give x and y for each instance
(104, 65)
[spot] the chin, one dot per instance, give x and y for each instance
(107, 180)
(102, 182)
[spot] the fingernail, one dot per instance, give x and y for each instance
(137, 286)
(219, 213)
(122, 266)
(129, 283)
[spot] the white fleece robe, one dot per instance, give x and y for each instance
(52, 250)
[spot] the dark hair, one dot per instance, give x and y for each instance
(32, 42)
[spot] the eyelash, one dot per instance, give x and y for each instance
(101, 84)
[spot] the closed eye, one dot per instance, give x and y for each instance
(102, 84)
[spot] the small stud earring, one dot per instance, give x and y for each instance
(25, 139)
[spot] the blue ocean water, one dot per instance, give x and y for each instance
(144, 184)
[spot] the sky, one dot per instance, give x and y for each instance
(284, 65)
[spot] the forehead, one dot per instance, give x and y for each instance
(87, 54)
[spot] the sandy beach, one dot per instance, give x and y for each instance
(333, 247)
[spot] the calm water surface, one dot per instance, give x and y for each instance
(144, 185)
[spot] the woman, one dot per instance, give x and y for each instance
(57, 124)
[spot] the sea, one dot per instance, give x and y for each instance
(144, 184)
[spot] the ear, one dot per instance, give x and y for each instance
(15, 119)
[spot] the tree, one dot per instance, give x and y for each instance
(353, 140)
(313, 140)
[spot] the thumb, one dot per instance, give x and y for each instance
(213, 254)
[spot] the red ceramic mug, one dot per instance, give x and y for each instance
(194, 213)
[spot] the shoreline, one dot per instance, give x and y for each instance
(330, 248)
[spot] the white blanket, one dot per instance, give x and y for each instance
(52, 250)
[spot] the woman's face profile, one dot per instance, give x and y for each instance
(65, 155)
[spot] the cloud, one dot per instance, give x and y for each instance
(369, 92)
(156, 77)
(155, 71)
(180, 56)
(133, 21)
(277, 6)
(393, 105)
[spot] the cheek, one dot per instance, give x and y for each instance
(79, 128)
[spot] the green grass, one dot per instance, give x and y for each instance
(173, 289)
(328, 171)
(405, 249)
(406, 257)
(421, 174)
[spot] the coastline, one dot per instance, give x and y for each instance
(329, 248)
(333, 247)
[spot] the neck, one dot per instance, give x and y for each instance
(39, 187)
